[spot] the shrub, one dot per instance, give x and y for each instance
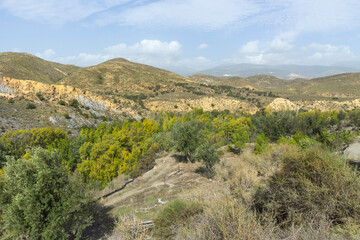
(74, 103)
(62, 102)
(66, 115)
(207, 155)
(41, 201)
(11, 100)
(262, 144)
(144, 164)
(40, 96)
(187, 136)
(175, 213)
(311, 182)
(30, 106)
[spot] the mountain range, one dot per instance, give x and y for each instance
(288, 72)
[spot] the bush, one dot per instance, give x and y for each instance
(144, 164)
(40, 96)
(262, 144)
(311, 183)
(67, 116)
(11, 100)
(187, 136)
(41, 201)
(62, 102)
(30, 106)
(175, 213)
(74, 103)
(207, 155)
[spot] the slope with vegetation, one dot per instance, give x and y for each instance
(30, 67)
(260, 154)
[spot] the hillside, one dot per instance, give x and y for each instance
(27, 66)
(120, 89)
(123, 76)
(342, 86)
(281, 71)
(264, 82)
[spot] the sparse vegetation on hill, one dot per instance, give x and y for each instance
(27, 66)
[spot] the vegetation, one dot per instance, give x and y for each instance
(30, 106)
(288, 178)
(308, 185)
(39, 200)
(174, 213)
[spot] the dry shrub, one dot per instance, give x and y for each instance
(130, 228)
(310, 183)
(223, 218)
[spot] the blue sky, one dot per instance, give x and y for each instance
(186, 35)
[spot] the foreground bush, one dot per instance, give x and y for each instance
(175, 213)
(311, 182)
(39, 200)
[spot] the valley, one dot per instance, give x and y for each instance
(122, 150)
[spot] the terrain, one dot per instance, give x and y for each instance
(120, 89)
(288, 72)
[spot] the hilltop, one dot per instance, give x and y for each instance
(30, 67)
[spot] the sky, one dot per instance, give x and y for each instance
(184, 35)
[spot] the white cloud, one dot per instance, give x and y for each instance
(203, 46)
(47, 54)
(279, 51)
(57, 12)
(279, 45)
(250, 47)
(204, 14)
(287, 16)
(152, 52)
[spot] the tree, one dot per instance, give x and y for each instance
(39, 200)
(206, 154)
(187, 137)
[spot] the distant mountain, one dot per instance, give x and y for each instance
(289, 72)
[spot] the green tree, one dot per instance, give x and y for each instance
(187, 137)
(39, 200)
(207, 155)
(261, 144)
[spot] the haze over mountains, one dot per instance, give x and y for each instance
(280, 71)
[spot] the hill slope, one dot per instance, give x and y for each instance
(280, 71)
(344, 86)
(123, 76)
(27, 66)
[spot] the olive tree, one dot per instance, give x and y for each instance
(187, 136)
(40, 200)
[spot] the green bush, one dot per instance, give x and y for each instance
(67, 116)
(261, 144)
(187, 136)
(144, 164)
(39, 200)
(62, 102)
(311, 183)
(40, 96)
(207, 155)
(74, 103)
(11, 100)
(30, 106)
(175, 213)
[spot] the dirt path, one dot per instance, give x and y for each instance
(167, 174)
(353, 151)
